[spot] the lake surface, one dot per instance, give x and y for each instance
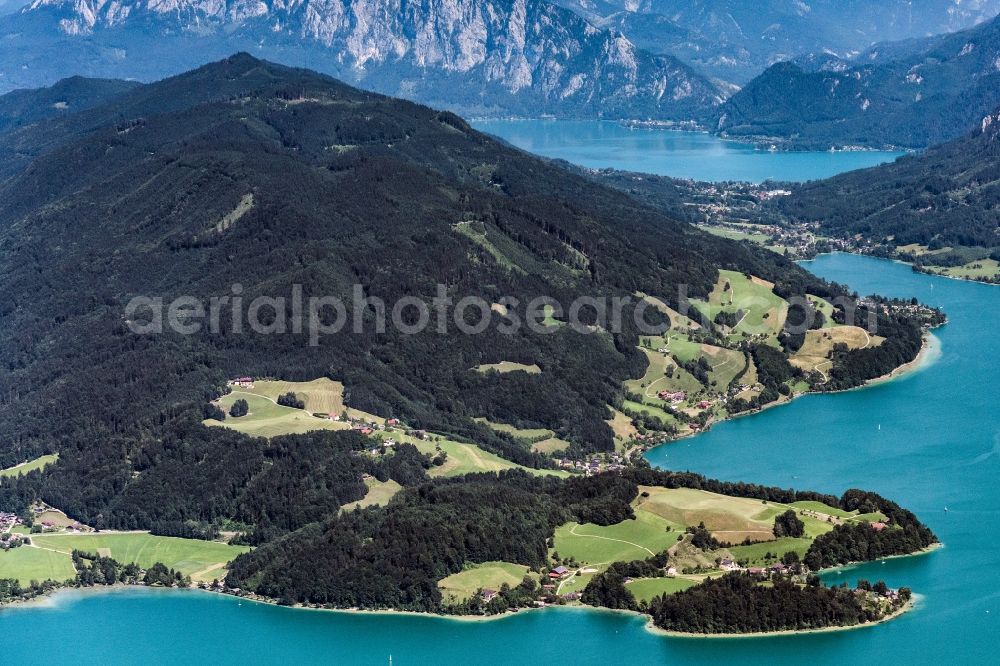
(938, 446)
(696, 155)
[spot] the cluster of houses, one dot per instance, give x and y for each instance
(678, 397)
(765, 572)
(673, 397)
(9, 539)
(765, 195)
(8, 521)
(596, 464)
(728, 564)
(242, 382)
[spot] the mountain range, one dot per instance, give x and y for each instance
(912, 94)
(733, 40)
(478, 57)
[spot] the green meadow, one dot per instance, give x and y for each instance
(488, 575)
(644, 589)
(30, 466)
(269, 419)
(508, 366)
(191, 557)
(26, 564)
(379, 494)
(663, 514)
(763, 311)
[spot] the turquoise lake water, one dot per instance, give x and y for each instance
(938, 446)
(696, 155)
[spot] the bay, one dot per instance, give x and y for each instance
(929, 440)
(696, 155)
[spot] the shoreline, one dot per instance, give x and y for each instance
(760, 143)
(929, 353)
(905, 608)
(897, 260)
(52, 600)
(840, 569)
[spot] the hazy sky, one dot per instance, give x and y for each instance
(10, 5)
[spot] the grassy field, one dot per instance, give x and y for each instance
(550, 445)
(623, 428)
(734, 234)
(678, 322)
(819, 507)
(540, 439)
(983, 268)
(489, 575)
(528, 434)
(30, 466)
(663, 515)
(764, 311)
(825, 307)
(656, 380)
(508, 366)
(322, 395)
(269, 419)
(198, 559)
(755, 553)
(645, 589)
(27, 564)
(653, 410)
(816, 351)
(628, 540)
(730, 519)
(465, 458)
(57, 518)
(575, 583)
(379, 493)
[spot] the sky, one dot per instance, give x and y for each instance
(7, 6)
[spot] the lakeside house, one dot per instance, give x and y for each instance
(489, 595)
(878, 526)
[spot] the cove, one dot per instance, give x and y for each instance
(938, 446)
(696, 155)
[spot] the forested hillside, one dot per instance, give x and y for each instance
(251, 174)
(948, 196)
(914, 100)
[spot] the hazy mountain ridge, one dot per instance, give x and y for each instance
(735, 41)
(521, 57)
(920, 99)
